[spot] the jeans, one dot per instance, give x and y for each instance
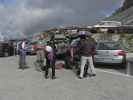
(83, 62)
(40, 55)
(50, 64)
(40, 60)
(22, 59)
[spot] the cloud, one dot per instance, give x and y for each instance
(29, 16)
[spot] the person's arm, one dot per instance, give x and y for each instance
(94, 47)
(72, 53)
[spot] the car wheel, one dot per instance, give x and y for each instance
(124, 63)
(96, 65)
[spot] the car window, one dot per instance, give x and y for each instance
(109, 46)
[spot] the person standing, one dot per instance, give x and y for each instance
(40, 53)
(50, 62)
(50, 57)
(86, 50)
(22, 54)
(74, 53)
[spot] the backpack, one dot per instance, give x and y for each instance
(90, 45)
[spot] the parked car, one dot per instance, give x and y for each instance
(30, 49)
(110, 53)
(6, 49)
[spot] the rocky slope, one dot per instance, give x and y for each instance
(127, 4)
(124, 14)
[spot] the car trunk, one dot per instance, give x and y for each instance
(108, 53)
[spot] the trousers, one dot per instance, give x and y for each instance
(50, 64)
(84, 60)
(40, 55)
(22, 59)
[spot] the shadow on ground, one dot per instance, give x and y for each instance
(109, 67)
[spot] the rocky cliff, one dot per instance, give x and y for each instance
(127, 4)
(124, 14)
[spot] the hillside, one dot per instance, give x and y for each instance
(124, 14)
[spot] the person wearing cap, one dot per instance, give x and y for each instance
(86, 50)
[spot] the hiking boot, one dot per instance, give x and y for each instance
(46, 77)
(86, 75)
(53, 77)
(92, 75)
(80, 77)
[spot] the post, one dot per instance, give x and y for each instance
(129, 68)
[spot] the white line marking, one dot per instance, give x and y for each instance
(115, 73)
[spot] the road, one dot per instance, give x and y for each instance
(28, 84)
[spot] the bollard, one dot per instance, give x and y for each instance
(129, 68)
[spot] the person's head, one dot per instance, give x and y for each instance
(24, 39)
(41, 37)
(89, 34)
(52, 36)
(45, 35)
(82, 34)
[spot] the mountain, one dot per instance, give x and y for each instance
(127, 4)
(124, 14)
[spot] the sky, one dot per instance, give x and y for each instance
(23, 17)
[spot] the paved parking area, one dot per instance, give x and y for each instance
(29, 84)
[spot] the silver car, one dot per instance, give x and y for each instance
(110, 53)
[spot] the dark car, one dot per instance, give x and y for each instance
(6, 49)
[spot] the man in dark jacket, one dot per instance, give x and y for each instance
(86, 50)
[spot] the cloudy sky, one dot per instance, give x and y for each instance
(29, 16)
